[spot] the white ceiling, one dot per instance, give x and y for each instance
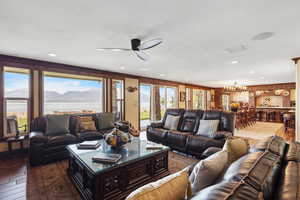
(195, 32)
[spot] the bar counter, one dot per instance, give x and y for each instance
(272, 114)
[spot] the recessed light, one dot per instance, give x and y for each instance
(52, 54)
(162, 75)
(252, 72)
(122, 68)
(235, 62)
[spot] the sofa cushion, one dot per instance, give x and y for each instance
(208, 128)
(274, 144)
(86, 123)
(197, 144)
(171, 122)
(105, 120)
(173, 187)
(57, 125)
(157, 135)
(208, 170)
(289, 182)
(212, 115)
(62, 140)
(228, 191)
(236, 147)
(190, 120)
(293, 153)
(259, 169)
(177, 139)
(90, 135)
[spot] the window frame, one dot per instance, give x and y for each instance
(29, 99)
(122, 100)
(70, 76)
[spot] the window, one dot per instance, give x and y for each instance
(225, 102)
(199, 99)
(68, 94)
(118, 99)
(145, 105)
(188, 100)
(208, 100)
(168, 98)
(16, 99)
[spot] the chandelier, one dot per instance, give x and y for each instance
(235, 88)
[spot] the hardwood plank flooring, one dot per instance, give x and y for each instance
(19, 181)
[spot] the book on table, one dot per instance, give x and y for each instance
(88, 145)
(107, 157)
(152, 145)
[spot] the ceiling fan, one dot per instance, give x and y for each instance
(138, 47)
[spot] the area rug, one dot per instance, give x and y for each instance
(50, 182)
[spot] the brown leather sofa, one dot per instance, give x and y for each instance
(270, 171)
(184, 139)
(44, 149)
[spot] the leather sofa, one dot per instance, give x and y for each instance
(184, 139)
(44, 149)
(270, 171)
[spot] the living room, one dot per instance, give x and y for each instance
(149, 100)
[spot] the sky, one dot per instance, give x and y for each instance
(16, 81)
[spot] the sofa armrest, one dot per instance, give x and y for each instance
(156, 125)
(37, 137)
(219, 135)
(210, 151)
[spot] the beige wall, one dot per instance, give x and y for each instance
(132, 102)
(181, 88)
(297, 102)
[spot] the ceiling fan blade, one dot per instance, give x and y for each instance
(113, 49)
(149, 44)
(142, 55)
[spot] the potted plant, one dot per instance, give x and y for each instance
(234, 107)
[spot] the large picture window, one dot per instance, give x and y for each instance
(199, 99)
(68, 94)
(16, 100)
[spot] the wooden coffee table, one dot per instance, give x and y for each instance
(137, 167)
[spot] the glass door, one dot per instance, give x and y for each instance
(145, 105)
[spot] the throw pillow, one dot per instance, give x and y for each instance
(57, 125)
(106, 121)
(172, 187)
(208, 128)
(171, 122)
(236, 147)
(206, 172)
(86, 123)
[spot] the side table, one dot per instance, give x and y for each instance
(19, 139)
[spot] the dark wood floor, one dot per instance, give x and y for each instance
(50, 182)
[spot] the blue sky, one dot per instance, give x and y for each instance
(14, 81)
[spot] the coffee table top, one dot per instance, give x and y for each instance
(131, 152)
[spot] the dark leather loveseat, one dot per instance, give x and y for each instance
(44, 149)
(184, 139)
(270, 171)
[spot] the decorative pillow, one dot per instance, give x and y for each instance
(57, 125)
(206, 172)
(171, 122)
(106, 121)
(86, 123)
(236, 147)
(208, 128)
(173, 187)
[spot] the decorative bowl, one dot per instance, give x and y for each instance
(117, 138)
